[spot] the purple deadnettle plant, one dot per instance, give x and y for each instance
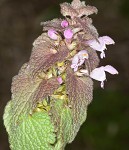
(52, 91)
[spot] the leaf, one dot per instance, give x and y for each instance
(43, 38)
(42, 57)
(62, 118)
(35, 132)
(27, 92)
(87, 10)
(7, 117)
(46, 88)
(67, 10)
(80, 90)
(76, 4)
(77, 9)
(88, 28)
(53, 24)
(93, 60)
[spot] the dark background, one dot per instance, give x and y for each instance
(107, 124)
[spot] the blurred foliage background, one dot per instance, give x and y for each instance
(107, 124)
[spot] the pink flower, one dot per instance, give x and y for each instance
(101, 45)
(59, 79)
(68, 34)
(79, 59)
(100, 75)
(52, 34)
(64, 23)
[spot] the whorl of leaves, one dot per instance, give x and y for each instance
(77, 9)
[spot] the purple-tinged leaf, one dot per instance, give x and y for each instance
(79, 90)
(87, 27)
(53, 24)
(45, 55)
(93, 60)
(77, 9)
(28, 91)
(67, 10)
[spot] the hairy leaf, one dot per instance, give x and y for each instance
(43, 57)
(68, 10)
(46, 88)
(79, 91)
(43, 38)
(93, 60)
(62, 119)
(35, 132)
(7, 117)
(88, 28)
(77, 9)
(53, 24)
(26, 92)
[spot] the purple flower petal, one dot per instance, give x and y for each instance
(75, 67)
(83, 54)
(59, 79)
(107, 40)
(98, 74)
(52, 34)
(64, 23)
(79, 59)
(110, 69)
(75, 59)
(99, 46)
(102, 55)
(102, 84)
(68, 33)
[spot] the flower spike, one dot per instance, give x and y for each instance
(52, 91)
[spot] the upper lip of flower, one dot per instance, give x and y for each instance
(52, 34)
(68, 33)
(64, 23)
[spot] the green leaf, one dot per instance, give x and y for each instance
(62, 118)
(7, 117)
(36, 132)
